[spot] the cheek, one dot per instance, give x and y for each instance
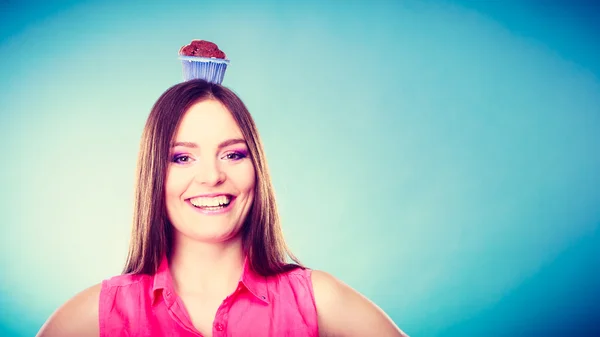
(175, 184)
(242, 177)
(247, 180)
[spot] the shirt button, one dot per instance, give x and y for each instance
(219, 327)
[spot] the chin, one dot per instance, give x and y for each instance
(215, 237)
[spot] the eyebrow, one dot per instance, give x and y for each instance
(223, 144)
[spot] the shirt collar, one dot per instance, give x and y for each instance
(162, 280)
(255, 283)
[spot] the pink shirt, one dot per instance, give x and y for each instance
(146, 305)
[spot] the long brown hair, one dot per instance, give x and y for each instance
(151, 236)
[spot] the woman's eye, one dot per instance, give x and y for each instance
(235, 156)
(181, 159)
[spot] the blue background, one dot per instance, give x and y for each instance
(441, 157)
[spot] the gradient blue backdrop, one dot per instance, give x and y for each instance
(441, 157)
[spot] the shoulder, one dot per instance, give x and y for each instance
(81, 315)
(342, 311)
(294, 282)
(128, 280)
(77, 317)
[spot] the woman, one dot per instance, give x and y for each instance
(207, 255)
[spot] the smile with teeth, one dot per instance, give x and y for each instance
(211, 203)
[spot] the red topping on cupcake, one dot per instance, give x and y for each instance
(202, 48)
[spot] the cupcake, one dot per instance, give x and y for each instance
(203, 60)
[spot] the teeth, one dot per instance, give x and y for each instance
(221, 200)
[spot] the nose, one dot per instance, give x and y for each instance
(209, 173)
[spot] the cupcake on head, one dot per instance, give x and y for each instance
(203, 60)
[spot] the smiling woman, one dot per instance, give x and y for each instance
(207, 255)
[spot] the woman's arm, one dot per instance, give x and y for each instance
(343, 312)
(78, 317)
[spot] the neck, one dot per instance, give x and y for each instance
(198, 268)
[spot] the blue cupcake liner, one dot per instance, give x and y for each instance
(208, 69)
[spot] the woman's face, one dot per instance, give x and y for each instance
(210, 177)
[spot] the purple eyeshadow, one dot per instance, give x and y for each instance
(176, 156)
(241, 152)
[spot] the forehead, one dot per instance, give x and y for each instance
(207, 121)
